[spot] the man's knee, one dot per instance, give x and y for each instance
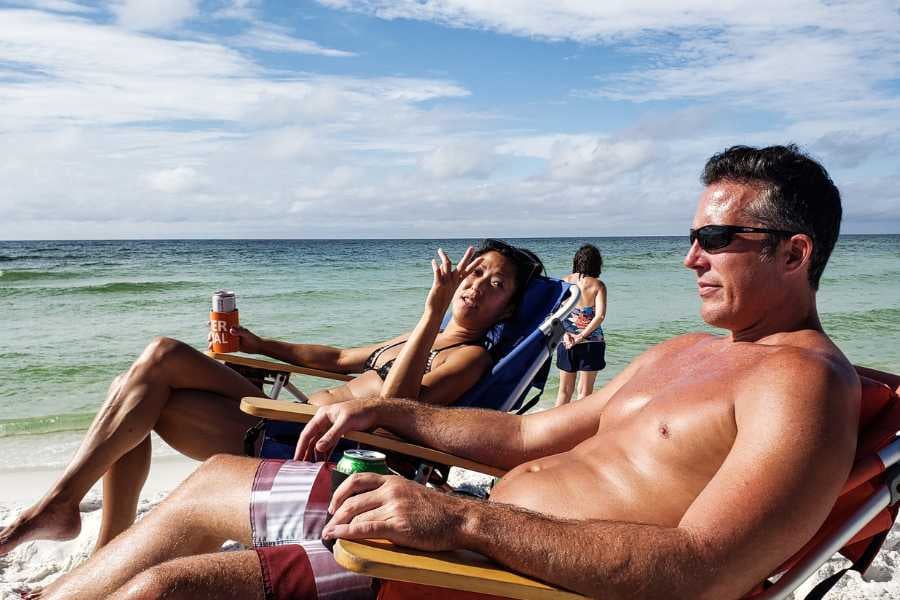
(215, 468)
(155, 582)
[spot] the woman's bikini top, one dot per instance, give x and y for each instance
(384, 369)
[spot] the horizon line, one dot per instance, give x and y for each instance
(347, 239)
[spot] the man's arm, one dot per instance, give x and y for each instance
(487, 436)
(794, 448)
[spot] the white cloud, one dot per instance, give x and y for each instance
(177, 180)
(147, 139)
(242, 10)
(278, 39)
(788, 57)
(64, 6)
(589, 21)
(153, 15)
(458, 159)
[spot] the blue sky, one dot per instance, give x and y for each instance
(428, 118)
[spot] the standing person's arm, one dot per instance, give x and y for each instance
(599, 314)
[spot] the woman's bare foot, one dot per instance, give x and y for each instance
(50, 519)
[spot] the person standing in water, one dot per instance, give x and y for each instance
(583, 349)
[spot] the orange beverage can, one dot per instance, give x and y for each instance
(222, 317)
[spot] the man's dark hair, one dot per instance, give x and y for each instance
(796, 194)
(527, 263)
(588, 261)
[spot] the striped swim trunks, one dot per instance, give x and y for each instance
(288, 510)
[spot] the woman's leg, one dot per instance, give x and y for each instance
(586, 383)
(170, 380)
(221, 575)
(211, 506)
(566, 387)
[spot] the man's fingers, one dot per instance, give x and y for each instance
(310, 436)
(330, 437)
(357, 483)
(355, 506)
(362, 530)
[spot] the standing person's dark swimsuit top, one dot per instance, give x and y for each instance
(384, 369)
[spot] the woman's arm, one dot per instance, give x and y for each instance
(316, 356)
(405, 378)
(599, 314)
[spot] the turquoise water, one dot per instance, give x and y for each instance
(74, 314)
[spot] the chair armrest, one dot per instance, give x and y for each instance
(458, 570)
(280, 410)
(272, 365)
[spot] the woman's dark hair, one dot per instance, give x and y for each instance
(526, 262)
(795, 194)
(588, 261)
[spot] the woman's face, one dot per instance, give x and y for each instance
(483, 297)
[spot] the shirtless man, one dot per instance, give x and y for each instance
(694, 473)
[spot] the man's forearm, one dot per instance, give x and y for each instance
(488, 436)
(605, 559)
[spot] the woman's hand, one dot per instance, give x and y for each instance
(249, 341)
(447, 279)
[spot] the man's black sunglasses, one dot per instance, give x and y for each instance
(716, 237)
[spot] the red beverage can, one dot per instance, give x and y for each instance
(222, 317)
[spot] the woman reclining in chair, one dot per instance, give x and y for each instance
(192, 401)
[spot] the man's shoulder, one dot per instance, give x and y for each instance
(803, 374)
(677, 345)
(685, 340)
(805, 353)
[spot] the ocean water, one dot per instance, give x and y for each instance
(76, 313)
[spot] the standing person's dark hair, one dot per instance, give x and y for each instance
(588, 261)
(795, 194)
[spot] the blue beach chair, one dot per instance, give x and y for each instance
(522, 347)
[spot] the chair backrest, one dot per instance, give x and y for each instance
(520, 349)
(879, 422)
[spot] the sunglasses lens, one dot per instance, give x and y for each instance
(713, 239)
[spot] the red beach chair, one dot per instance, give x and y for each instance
(867, 507)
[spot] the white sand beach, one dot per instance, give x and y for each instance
(36, 564)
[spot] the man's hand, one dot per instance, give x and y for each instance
(331, 422)
(368, 505)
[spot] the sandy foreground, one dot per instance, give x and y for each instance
(36, 564)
